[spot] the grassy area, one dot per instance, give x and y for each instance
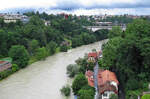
(34, 59)
(57, 50)
(9, 59)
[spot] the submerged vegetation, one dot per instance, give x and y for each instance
(66, 90)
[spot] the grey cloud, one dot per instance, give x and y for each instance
(67, 5)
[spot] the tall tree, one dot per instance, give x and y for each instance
(19, 55)
(78, 83)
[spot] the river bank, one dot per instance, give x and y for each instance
(43, 79)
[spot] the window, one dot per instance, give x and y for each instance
(105, 94)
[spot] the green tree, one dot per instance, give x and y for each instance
(115, 32)
(15, 67)
(82, 63)
(19, 55)
(41, 53)
(79, 81)
(63, 48)
(113, 96)
(76, 42)
(72, 70)
(101, 34)
(3, 42)
(51, 46)
(2, 22)
(33, 45)
(66, 90)
(128, 56)
(86, 94)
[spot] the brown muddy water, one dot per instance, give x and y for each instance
(43, 79)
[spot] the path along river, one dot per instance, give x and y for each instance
(43, 79)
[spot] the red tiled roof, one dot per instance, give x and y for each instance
(104, 79)
(106, 76)
(1, 62)
(94, 54)
(89, 74)
(107, 87)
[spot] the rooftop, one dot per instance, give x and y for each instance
(89, 74)
(4, 65)
(105, 76)
(105, 79)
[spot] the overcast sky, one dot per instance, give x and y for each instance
(127, 5)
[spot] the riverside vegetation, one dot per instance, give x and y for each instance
(33, 41)
(127, 53)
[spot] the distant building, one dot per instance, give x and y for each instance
(47, 23)
(4, 65)
(107, 83)
(89, 75)
(104, 23)
(14, 17)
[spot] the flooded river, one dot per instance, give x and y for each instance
(43, 79)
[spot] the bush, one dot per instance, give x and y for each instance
(147, 96)
(90, 66)
(5, 74)
(82, 62)
(63, 48)
(86, 92)
(15, 67)
(41, 53)
(78, 83)
(51, 47)
(72, 70)
(113, 96)
(19, 55)
(66, 90)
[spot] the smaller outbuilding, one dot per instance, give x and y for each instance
(4, 65)
(89, 75)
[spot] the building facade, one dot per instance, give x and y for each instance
(4, 65)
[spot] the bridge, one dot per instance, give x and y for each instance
(95, 28)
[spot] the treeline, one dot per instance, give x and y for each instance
(80, 20)
(128, 55)
(80, 85)
(27, 43)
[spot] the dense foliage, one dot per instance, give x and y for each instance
(28, 42)
(147, 96)
(36, 34)
(66, 90)
(72, 70)
(86, 92)
(19, 55)
(79, 81)
(113, 96)
(129, 56)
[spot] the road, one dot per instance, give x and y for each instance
(96, 80)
